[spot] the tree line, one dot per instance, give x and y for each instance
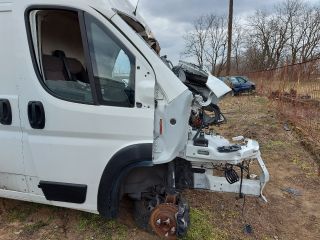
(288, 34)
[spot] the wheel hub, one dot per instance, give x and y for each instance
(163, 220)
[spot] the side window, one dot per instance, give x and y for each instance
(113, 65)
(60, 54)
(234, 80)
(241, 80)
(122, 68)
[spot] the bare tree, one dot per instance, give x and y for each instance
(291, 32)
(216, 44)
(237, 47)
(311, 41)
(207, 42)
(297, 30)
(270, 34)
(266, 40)
(196, 39)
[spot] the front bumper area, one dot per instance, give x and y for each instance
(205, 159)
(208, 181)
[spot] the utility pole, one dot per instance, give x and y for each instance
(229, 37)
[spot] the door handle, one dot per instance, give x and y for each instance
(5, 112)
(36, 115)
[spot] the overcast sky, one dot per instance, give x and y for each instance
(171, 19)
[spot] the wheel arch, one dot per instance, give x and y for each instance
(119, 166)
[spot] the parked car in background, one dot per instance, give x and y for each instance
(239, 84)
(223, 79)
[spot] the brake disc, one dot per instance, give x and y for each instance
(163, 220)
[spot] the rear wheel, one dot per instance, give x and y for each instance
(252, 90)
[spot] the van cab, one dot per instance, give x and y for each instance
(90, 113)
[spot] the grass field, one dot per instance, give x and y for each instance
(214, 215)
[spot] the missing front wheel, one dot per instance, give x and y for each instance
(167, 216)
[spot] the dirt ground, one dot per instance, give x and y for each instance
(293, 214)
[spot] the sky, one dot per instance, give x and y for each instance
(170, 20)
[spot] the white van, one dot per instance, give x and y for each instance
(90, 113)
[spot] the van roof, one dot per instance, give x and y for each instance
(107, 5)
(118, 4)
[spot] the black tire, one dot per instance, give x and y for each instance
(252, 90)
(183, 218)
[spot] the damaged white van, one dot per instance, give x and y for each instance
(90, 113)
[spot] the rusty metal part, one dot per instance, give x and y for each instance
(171, 198)
(163, 221)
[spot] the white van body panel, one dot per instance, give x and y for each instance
(5, 6)
(11, 158)
(78, 139)
(173, 98)
(70, 149)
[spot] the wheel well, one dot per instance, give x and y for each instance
(123, 162)
(131, 172)
(142, 179)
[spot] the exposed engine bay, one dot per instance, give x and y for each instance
(208, 151)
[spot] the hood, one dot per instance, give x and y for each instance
(219, 88)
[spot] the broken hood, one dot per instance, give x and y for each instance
(218, 87)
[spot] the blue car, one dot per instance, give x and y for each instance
(240, 84)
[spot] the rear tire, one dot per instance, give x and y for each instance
(252, 90)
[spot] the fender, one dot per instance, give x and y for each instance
(124, 161)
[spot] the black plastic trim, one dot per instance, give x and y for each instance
(119, 166)
(64, 192)
(85, 44)
(36, 115)
(198, 170)
(5, 112)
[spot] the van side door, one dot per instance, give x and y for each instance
(11, 160)
(89, 94)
